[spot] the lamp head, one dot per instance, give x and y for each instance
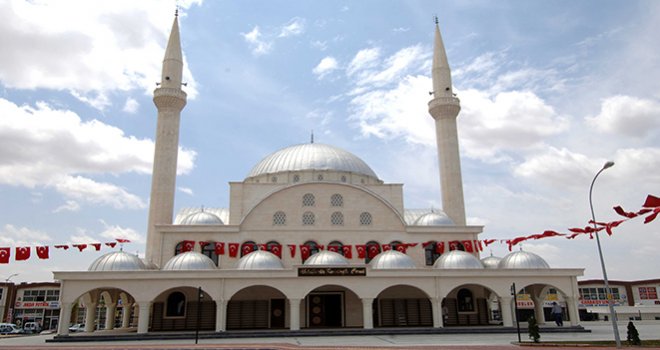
(609, 164)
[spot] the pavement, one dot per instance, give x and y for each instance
(599, 331)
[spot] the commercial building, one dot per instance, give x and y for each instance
(633, 300)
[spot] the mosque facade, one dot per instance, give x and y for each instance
(312, 238)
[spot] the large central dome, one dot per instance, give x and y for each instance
(311, 156)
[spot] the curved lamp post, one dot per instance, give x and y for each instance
(610, 302)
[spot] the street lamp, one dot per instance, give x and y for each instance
(10, 277)
(610, 302)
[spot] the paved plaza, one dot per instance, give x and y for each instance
(599, 331)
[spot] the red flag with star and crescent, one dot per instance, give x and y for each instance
(42, 252)
(361, 250)
(292, 250)
(219, 248)
(5, 253)
(233, 250)
(22, 253)
(187, 246)
(277, 250)
(348, 251)
(304, 251)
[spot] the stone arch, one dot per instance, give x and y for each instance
(257, 307)
(536, 299)
(331, 306)
(403, 305)
(101, 308)
(470, 304)
(190, 307)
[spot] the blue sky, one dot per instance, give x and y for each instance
(549, 91)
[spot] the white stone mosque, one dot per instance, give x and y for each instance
(312, 238)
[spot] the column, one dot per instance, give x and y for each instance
(294, 319)
(90, 317)
(126, 315)
(220, 315)
(368, 313)
(65, 317)
(110, 316)
(436, 309)
(538, 310)
(505, 309)
(572, 310)
(143, 316)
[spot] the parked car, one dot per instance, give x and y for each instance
(78, 327)
(10, 328)
(32, 327)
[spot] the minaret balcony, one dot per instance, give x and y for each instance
(444, 107)
(170, 97)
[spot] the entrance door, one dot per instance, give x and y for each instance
(325, 310)
(277, 313)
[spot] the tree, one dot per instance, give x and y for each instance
(533, 329)
(633, 335)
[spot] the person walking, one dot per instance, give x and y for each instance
(557, 314)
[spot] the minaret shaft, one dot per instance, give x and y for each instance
(444, 108)
(169, 100)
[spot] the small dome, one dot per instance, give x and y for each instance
(523, 260)
(491, 262)
(311, 156)
(189, 261)
(259, 260)
(327, 258)
(458, 259)
(392, 259)
(201, 218)
(117, 261)
(433, 219)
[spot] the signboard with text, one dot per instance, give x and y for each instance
(331, 271)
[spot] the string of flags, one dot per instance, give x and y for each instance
(650, 211)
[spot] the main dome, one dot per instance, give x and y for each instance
(117, 261)
(311, 156)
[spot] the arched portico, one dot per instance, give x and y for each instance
(257, 307)
(180, 308)
(332, 306)
(403, 306)
(104, 308)
(537, 300)
(468, 305)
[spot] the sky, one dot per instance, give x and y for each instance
(549, 90)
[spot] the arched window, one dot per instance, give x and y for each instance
(431, 253)
(248, 247)
(337, 218)
(343, 178)
(308, 200)
(176, 305)
(308, 218)
(275, 248)
(178, 249)
(336, 200)
(336, 246)
(465, 300)
(373, 249)
(296, 178)
(456, 245)
(209, 250)
(279, 218)
(313, 249)
(394, 245)
(365, 219)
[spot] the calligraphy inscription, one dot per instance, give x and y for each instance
(332, 271)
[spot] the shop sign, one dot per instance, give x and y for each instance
(599, 302)
(38, 304)
(525, 304)
(332, 271)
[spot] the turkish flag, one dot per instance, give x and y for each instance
(453, 245)
(320, 246)
(387, 247)
(61, 246)
(361, 250)
(440, 248)
(402, 247)
(5, 253)
(219, 248)
(80, 247)
(122, 240)
(233, 249)
(22, 253)
(426, 244)
(488, 242)
(348, 252)
(246, 249)
(277, 250)
(42, 252)
(262, 247)
(111, 244)
(187, 246)
(292, 250)
(467, 244)
(96, 246)
(333, 248)
(203, 244)
(373, 250)
(304, 251)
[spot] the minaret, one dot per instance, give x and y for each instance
(169, 100)
(444, 108)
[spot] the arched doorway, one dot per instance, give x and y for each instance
(257, 307)
(179, 309)
(403, 306)
(468, 305)
(332, 306)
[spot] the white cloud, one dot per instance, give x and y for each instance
(321, 45)
(405, 61)
(131, 106)
(295, 26)
(70, 205)
(42, 146)
(113, 47)
(254, 38)
(325, 67)
(113, 232)
(11, 235)
(559, 168)
(186, 190)
(401, 29)
(365, 58)
(627, 116)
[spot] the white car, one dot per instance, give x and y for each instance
(78, 327)
(10, 328)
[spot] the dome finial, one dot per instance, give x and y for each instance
(436, 19)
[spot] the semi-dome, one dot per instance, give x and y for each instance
(326, 258)
(458, 259)
(189, 261)
(259, 260)
(392, 259)
(491, 262)
(202, 218)
(433, 219)
(117, 261)
(311, 156)
(523, 260)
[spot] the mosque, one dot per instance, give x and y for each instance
(312, 238)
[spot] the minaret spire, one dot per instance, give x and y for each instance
(444, 108)
(169, 100)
